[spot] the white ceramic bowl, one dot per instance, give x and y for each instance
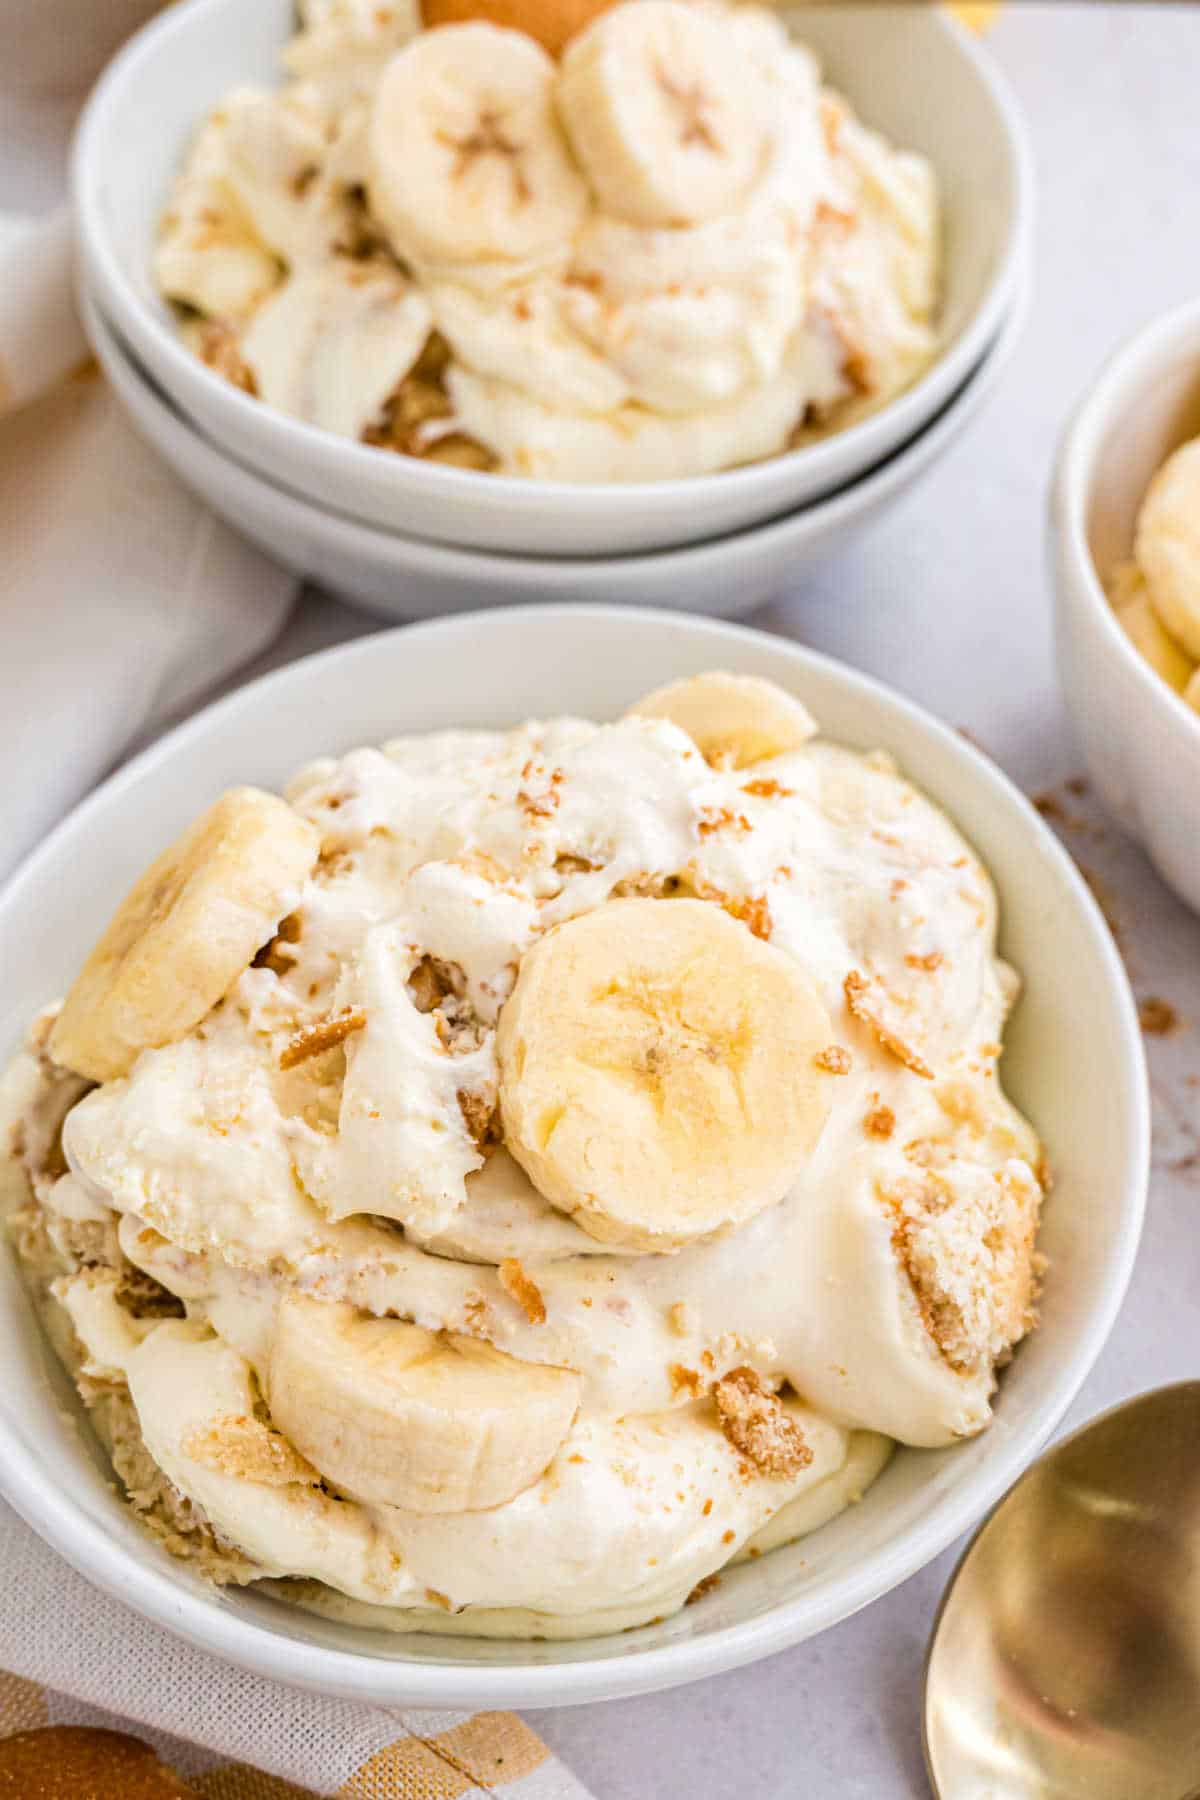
(402, 576)
(1074, 1062)
(908, 69)
(1141, 742)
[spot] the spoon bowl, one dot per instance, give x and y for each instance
(1065, 1660)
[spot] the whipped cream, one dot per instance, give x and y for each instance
(672, 252)
(873, 1303)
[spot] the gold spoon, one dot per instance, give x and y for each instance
(1065, 1659)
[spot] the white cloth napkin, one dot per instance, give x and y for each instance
(122, 599)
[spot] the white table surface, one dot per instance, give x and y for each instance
(947, 599)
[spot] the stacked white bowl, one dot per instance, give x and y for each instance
(405, 536)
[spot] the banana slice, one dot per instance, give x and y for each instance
(184, 932)
(657, 1073)
(467, 161)
(1191, 692)
(669, 126)
(1167, 545)
(1142, 626)
(733, 720)
(399, 1416)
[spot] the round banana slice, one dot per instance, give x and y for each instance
(733, 720)
(1167, 545)
(657, 1073)
(1142, 626)
(467, 161)
(399, 1416)
(185, 932)
(669, 126)
(552, 22)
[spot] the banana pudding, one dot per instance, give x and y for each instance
(665, 252)
(516, 1174)
(1156, 595)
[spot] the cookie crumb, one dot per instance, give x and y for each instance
(322, 1035)
(766, 789)
(1157, 1017)
(834, 1060)
(753, 1419)
(754, 913)
(481, 1116)
(243, 1447)
(703, 1587)
(932, 959)
(685, 1381)
(880, 1122)
(524, 1291)
(856, 987)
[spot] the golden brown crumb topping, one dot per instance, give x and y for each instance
(857, 987)
(754, 913)
(753, 1419)
(481, 1116)
(880, 1122)
(323, 1034)
(523, 1289)
(218, 348)
(278, 955)
(767, 789)
(834, 1060)
(413, 416)
(244, 1447)
(703, 1587)
(685, 1381)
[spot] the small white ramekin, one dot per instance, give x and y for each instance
(1140, 740)
(909, 70)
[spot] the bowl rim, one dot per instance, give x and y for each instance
(163, 1596)
(873, 486)
(439, 482)
(1111, 394)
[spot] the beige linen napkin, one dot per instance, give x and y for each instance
(78, 1658)
(122, 599)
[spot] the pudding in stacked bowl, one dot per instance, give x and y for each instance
(596, 284)
(401, 577)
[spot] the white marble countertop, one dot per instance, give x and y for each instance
(947, 599)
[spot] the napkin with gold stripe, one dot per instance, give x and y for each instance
(76, 1657)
